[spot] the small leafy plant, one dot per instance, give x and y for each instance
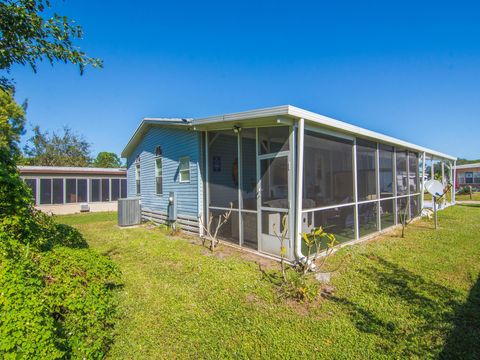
(295, 282)
(323, 243)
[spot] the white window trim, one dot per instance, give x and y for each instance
(156, 173)
(138, 171)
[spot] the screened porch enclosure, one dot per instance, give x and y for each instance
(294, 178)
(353, 187)
(248, 175)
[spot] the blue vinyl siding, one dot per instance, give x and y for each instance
(175, 143)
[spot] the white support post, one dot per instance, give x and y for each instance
(450, 177)
(37, 196)
(422, 187)
(355, 190)
(454, 181)
(64, 190)
(395, 202)
(299, 189)
(207, 182)
(432, 170)
(240, 187)
(442, 164)
(377, 177)
(407, 153)
(88, 190)
(201, 205)
(258, 192)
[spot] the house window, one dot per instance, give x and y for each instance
(184, 169)
(137, 174)
(158, 171)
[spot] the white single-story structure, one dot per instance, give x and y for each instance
(62, 189)
(269, 163)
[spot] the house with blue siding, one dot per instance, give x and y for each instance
(273, 170)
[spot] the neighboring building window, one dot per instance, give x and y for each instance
(57, 191)
(461, 178)
(105, 190)
(137, 174)
(45, 191)
(115, 191)
(123, 188)
(95, 190)
(158, 171)
(184, 169)
(476, 177)
(82, 190)
(469, 177)
(71, 190)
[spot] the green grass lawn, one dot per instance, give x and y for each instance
(417, 297)
(475, 196)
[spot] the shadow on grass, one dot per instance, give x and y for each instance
(464, 340)
(429, 310)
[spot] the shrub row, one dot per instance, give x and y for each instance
(57, 297)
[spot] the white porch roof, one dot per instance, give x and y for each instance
(284, 111)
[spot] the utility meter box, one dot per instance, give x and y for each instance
(172, 207)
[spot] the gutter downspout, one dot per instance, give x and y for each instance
(299, 191)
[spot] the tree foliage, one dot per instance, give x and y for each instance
(462, 161)
(29, 35)
(58, 149)
(56, 298)
(14, 196)
(106, 159)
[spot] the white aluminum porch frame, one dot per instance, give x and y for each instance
(327, 126)
(394, 198)
(258, 158)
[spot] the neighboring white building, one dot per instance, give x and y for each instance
(61, 190)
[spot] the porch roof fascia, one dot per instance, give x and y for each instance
(358, 131)
(317, 119)
(287, 111)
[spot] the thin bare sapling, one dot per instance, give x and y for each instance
(221, 220)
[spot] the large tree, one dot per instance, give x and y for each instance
(30, 33)
(14, 197)
(58, 149)
(107, 160)
(49, 288)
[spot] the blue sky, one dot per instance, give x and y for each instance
(398, 68)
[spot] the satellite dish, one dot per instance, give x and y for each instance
(434, 187)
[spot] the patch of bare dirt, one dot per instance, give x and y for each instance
(305, 308)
